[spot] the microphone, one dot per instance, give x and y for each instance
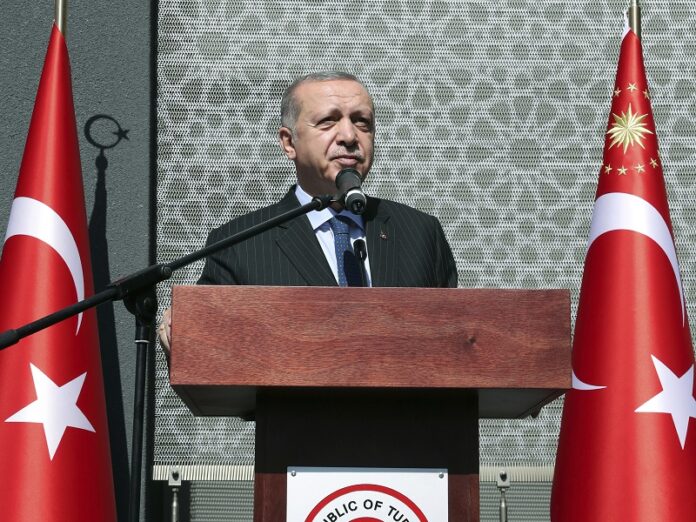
(360, 250)
(348, 182)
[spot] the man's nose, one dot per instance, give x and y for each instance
(346, 132)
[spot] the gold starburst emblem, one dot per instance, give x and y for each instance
(628, 129)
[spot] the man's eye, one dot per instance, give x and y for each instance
(364, 124)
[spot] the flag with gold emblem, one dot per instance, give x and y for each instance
(627, 448)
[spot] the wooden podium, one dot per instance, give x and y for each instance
(368, 377)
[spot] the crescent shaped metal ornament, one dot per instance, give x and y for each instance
(30, 217)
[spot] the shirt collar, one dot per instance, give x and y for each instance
(318, 217)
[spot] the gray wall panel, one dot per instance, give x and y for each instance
(491, 115)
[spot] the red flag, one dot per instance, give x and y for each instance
(627, 448)
(54, 447)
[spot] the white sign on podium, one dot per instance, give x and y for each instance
(366, 495)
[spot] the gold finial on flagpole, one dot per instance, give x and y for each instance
(61, 15)
(634, 17)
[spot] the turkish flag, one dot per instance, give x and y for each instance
(627, 448)
(54, 445)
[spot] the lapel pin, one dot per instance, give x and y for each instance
(382, 234)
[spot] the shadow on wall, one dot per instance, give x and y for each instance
(104, 132)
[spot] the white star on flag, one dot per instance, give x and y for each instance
(676, 398)
(55, 408)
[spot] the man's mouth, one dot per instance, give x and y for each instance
(348, 160)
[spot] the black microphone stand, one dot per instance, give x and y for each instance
(138, 294)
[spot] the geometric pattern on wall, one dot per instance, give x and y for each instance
(490, 115)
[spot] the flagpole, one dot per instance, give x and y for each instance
(61, 15)
(634, 17)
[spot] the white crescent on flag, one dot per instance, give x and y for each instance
(30, 217)
(621, 211)
(577, 384)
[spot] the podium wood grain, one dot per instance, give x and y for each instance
(513, 346)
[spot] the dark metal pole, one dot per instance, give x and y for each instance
(143, 305)
(137, 435)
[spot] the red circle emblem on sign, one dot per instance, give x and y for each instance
(367, 487)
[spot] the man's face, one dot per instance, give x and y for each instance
(335, 129)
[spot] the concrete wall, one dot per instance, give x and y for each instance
(110, 51)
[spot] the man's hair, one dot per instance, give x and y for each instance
(290, 106)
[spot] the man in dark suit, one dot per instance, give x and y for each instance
(328, 124)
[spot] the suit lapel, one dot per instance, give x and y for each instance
(381, 245)
(299, 243)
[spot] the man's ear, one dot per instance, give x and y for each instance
(286, 142)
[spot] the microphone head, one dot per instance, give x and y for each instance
(355, 201)
(348, 179)
(360, 249)
(348, 182)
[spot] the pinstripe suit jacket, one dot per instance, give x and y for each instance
(406, 247)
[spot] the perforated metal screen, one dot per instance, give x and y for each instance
(490, 115)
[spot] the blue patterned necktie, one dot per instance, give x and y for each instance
(349, 271)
